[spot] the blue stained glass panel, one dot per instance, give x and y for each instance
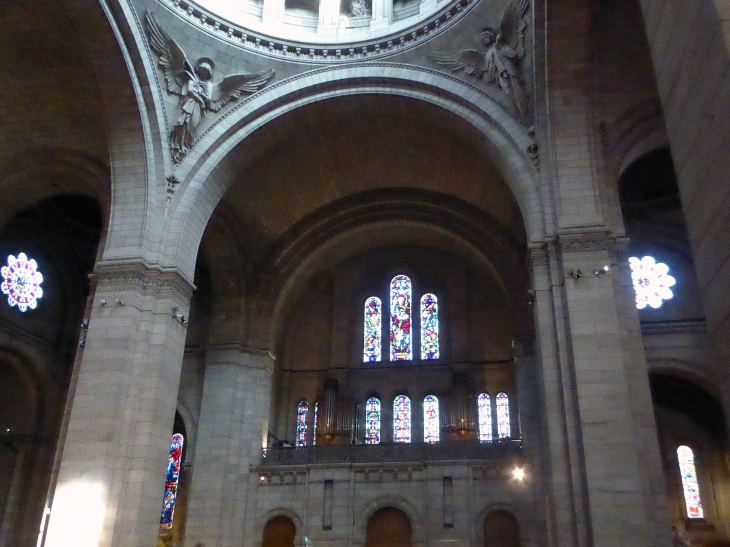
(402, 419)
(372, 421)
(429, 327)
(173, 477)
(302, 411)
(373, 327)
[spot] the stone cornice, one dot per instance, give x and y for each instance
(151, 279)
(269, 46)
(586, 241)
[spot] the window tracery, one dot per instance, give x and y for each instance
(22, 282)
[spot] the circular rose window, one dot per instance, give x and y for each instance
(22, 282)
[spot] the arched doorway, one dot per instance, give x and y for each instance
(279, 532)
(501, 529)
(388, 527)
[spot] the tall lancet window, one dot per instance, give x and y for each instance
(484, 408)
(431, 429)
(400, 319)
(689, 482)
(173, 476)
(302, 412)
(373, 322)
(503, 426)
(372, 421)
(429, 327)
(314, 427)
(402, 419)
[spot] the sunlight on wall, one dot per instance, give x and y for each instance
(77, 515)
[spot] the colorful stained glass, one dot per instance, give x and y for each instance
(372, 421)
(173, 476)
(400, 319)
(484, 407)
(314, 427)
(503, 427)
(431, 429)
(21, 282)
(651, 282)
(689, 482)
(429, 327)
(302, 411)
(373, 323)
(402, 419)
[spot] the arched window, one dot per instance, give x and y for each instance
(689, 482)
(173, 476)
(372, 421)
(302, 411)
(429, 327)
(400, 319)
(314, 427)
(484, 407)
(503, 415)
(402, 419)
(431, 429)
(373, 321)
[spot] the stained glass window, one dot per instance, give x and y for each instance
(372, 421)
(373, 322)
(314, 428)
(402, 419)
(651, 282)
(302, 411)
(173, 475)
(503, 415)
(22, 282)
(689, 482)
(400, 319)
(431, 429)
(429, 327)
(484, 407)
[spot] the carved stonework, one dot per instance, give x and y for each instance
(172, 182)
(500, 63)
(153, 280)
(586, 242)
(534, 152)
(538, 256)
(195, 87)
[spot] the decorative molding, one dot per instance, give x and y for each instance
(586, 242)
(140, 276)
(268, 46)
(538, 256)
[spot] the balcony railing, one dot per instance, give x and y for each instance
(392, 452)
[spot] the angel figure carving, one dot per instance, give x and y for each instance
(195, 87)
(500, 62)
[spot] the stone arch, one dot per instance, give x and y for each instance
(280, 512)
(467, 229)
(368, 509)
(489, 509)
(206, 177)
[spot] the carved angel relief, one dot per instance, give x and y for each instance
(195, 87)
(500, 63)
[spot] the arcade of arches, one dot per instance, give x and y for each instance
(392, 274)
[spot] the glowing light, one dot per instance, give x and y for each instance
(372, 421)
(651, 282)
(314, 429)
(77, 515)
(21, 282)
(373, 318)
(429, 327)
(689, 482)
(402, 419)
(519, 474)
(400, 319)
(484, 407)
(173, 475)
(431, 429)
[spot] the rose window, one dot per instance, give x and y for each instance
(651, 282)
(22, 282)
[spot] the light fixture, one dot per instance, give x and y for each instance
(602, 271)
(575, 274)
(518, 474)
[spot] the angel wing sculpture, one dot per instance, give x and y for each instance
(500, 62)
(195, 87)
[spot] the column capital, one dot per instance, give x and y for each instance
(138, 275)
(589, 240)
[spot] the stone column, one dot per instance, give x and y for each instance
(602, 452)
(121, 410)
(232, 432)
